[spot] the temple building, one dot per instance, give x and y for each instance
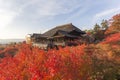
(63, 35)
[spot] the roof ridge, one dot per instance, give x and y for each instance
(64, 25)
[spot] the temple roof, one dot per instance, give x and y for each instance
(64, 29)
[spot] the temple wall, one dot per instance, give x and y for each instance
(40, 45)
(59, 43)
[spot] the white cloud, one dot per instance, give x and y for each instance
(82, 8)
(56, 7)
(34, 9)
(81, 11)
(7, 14)
(30, 10)
(43, 8)
(107, 13)
(6, 17)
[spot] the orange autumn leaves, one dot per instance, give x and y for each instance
(34, 64)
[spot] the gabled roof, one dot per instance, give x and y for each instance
(66, 28)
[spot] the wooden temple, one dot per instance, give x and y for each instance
(63, 35)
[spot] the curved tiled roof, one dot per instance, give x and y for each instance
(65, 28)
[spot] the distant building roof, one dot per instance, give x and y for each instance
(64, 29)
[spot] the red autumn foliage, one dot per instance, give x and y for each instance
(82, 62)
(31, 63)
(114, 38)
(114, 25)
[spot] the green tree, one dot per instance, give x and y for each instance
(104, 24)
(96, 27)
(98, 32)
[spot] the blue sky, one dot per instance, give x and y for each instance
(21, 17)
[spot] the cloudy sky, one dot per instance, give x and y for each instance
(21, 17)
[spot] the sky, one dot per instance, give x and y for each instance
(21, 17)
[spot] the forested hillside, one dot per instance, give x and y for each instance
(97, 61)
